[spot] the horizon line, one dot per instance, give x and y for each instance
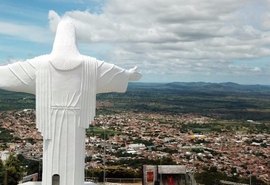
(227, 82)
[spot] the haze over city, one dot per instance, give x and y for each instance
(173, 40)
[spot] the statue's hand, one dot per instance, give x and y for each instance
(134, 75)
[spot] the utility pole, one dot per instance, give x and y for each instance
(104, 156)
(5, 180)
(250, 178)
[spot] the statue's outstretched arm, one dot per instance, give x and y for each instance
(134, 74)
(112, 78)
(18, 77)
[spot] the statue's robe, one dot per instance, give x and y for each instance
(65, 107)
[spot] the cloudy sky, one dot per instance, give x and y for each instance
(169, 40)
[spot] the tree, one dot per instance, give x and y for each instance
(2, 172)
(33, 166)
(209, 176)
(13, 170)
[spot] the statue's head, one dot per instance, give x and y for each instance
(61, 24)
(66, 26)
(82, 29)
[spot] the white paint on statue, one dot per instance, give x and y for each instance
(65, 83)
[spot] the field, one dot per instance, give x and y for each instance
(224, 101)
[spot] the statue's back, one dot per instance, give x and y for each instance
(63, 152)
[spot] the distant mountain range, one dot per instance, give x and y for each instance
(204, 87)
(185, 86)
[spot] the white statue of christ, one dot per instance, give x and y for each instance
(65, 84)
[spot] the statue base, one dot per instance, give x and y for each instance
(40, 183)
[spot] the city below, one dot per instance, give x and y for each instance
(130, 136)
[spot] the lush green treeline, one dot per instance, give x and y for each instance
(247, 102)
(225, 101)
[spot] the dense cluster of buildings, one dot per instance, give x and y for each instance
(152, 136)
(27, 140)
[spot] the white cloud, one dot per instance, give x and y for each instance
(256, 69)
(178, 36)
(54, 19)
(24, 31)
(266, 21)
